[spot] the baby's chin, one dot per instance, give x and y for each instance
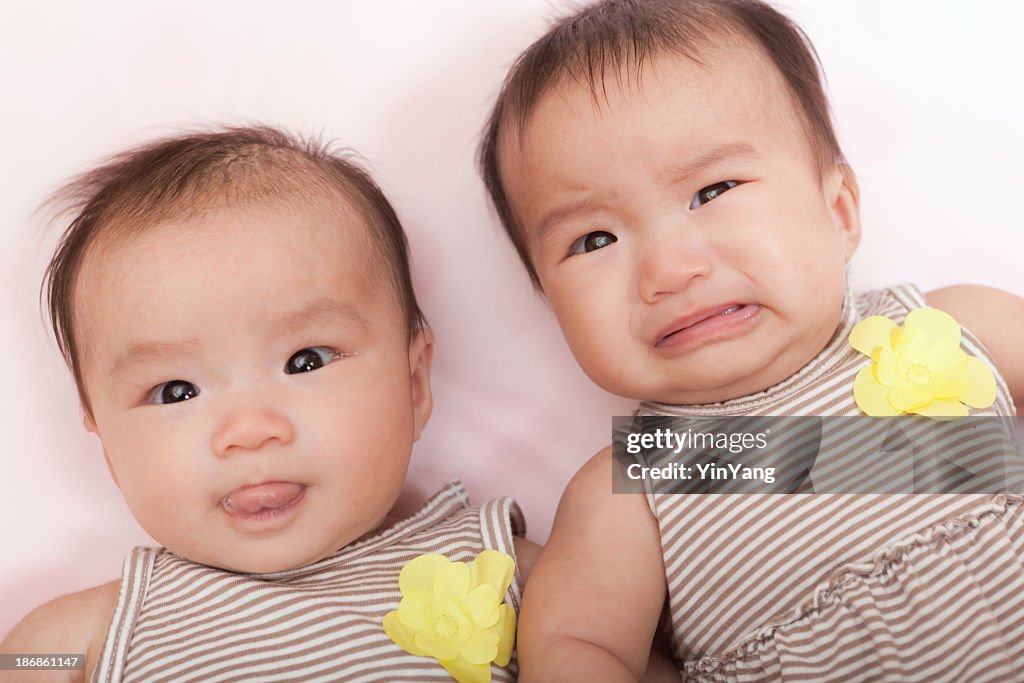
(714, 382)
(269, 556)
(251, 563)
(699, 395)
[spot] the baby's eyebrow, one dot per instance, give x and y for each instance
(553, 218)
(145, 352)
(318, 311)
(704, 159)
(708, 158)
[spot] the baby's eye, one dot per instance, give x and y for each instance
(706, 194)
(308, 360)
(175, 391)
(592, 241)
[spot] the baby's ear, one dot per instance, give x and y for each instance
(88, 422)
(421, 354)
(90, 426)
(843, 195)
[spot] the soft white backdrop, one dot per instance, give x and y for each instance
(928, 99)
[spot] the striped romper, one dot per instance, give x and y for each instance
(843, 587)
(180, 621)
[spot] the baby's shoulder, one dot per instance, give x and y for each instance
(589, 497)
(71, 624)
(983, 310)
(593, 476)
(996, 319)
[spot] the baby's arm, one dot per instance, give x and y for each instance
(73, 624)
(591, 607)
(997, 319)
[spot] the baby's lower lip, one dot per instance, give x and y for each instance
(720, 326)
(263, 501)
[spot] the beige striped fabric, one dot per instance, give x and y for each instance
(180, 621)
(843, 587)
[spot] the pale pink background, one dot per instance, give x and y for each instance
(928, 109)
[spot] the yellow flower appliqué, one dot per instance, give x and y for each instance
(920, 369)
(453, 612)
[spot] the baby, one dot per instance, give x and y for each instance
(668, 173)
(238, 313)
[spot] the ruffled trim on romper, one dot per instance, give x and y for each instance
(885, 620)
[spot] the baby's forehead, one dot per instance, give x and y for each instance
(331, 214)
(583, 147)
(731, 63)
(200, 288)
(726, 94)
(327, 236)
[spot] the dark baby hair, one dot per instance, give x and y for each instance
(184, 176)
(614, 35)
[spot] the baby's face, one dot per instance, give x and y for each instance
(251, 382)
(679, 227)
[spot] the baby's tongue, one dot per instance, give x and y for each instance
(269, 496)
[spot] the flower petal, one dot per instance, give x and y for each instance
(980, 389)
(467, 672)
(885, 368)
(872, 334)
(908, 399)
(452, 582)
(400, 633)
(420, 572)
(942, 407)
(871, 397)
(506, 632)
(928, 325)
(944, 358)
(494, 569)
(481, 648)
(435, 647)
(416, 610)
(483, 606)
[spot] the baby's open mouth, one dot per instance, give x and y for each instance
(709, 323)
(272, 496)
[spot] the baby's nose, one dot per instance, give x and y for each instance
(249, 428)
(669, 264)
